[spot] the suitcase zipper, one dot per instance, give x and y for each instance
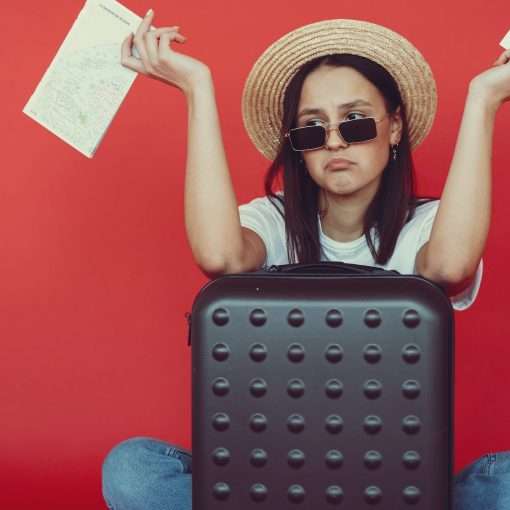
(187, 315)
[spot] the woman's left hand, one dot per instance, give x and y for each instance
(494, 83)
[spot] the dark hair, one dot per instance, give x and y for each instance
(394, 202)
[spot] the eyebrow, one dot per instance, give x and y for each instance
(344, 106)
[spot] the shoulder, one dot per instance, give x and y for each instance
(266, 205)
(424, 212)
(265, 216)
(425, 205)
(418, 224)
(413, 234)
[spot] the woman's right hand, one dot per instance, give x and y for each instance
(158, 60)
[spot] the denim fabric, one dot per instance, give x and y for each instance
(148, 474)
(484, 484)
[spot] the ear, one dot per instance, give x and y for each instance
(395, 127)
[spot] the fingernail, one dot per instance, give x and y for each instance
(149, 12)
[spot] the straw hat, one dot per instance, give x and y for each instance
(262, 103)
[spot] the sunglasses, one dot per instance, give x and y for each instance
(308, 138)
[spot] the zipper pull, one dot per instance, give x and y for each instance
(187, 315)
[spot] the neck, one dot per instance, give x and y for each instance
(342, 216)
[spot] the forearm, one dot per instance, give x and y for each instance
(211, 214)
(462, 222)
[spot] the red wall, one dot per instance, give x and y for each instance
(95, 270)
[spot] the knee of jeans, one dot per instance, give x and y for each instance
(122, 468)
(134, 465)
(489, 464)
(502, 463)
(476, 467)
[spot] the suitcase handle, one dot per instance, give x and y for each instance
(331, 267)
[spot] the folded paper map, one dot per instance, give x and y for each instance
(85, 84)
(505, 42)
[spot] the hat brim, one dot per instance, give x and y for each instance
(262, 101)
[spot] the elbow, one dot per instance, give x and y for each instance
(451, 279)
(211, 266)
(453, 273)
(215, 266)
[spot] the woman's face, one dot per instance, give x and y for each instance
(325, 96)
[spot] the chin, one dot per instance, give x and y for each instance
(341, 191)
(342, 186)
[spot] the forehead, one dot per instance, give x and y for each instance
(328, 87)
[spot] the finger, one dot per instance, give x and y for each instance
(151, 41)
(180, 38)
(166, 39)
(158, 32)
(139, 39)
(126, 56)
(174, 35)
(145, 24)
(151, 46)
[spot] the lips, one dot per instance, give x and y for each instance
(338, 164)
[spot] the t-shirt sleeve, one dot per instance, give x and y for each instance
(466, 298)
(261, 216)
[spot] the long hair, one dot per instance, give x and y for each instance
(394, 202)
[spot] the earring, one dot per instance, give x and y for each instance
(394, 149)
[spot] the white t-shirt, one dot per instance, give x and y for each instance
(261, 216)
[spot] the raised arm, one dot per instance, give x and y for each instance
(218, 242)
(461, 226)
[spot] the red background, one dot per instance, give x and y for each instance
(95, 270)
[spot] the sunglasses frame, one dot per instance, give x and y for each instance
(327, 128)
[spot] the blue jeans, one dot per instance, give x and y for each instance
(148, 474)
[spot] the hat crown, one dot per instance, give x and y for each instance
(262, 102)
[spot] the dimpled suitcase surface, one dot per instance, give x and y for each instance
(322, 391)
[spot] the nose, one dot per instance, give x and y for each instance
(334, 139)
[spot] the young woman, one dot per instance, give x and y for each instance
(337, 106)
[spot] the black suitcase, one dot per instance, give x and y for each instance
(319, 387)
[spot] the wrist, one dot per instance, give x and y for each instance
(482, 98)
(199, 81)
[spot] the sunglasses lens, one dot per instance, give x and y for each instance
(314, 137)
(358, 130)
(307, 138)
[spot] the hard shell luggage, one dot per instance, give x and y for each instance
(320, 387)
